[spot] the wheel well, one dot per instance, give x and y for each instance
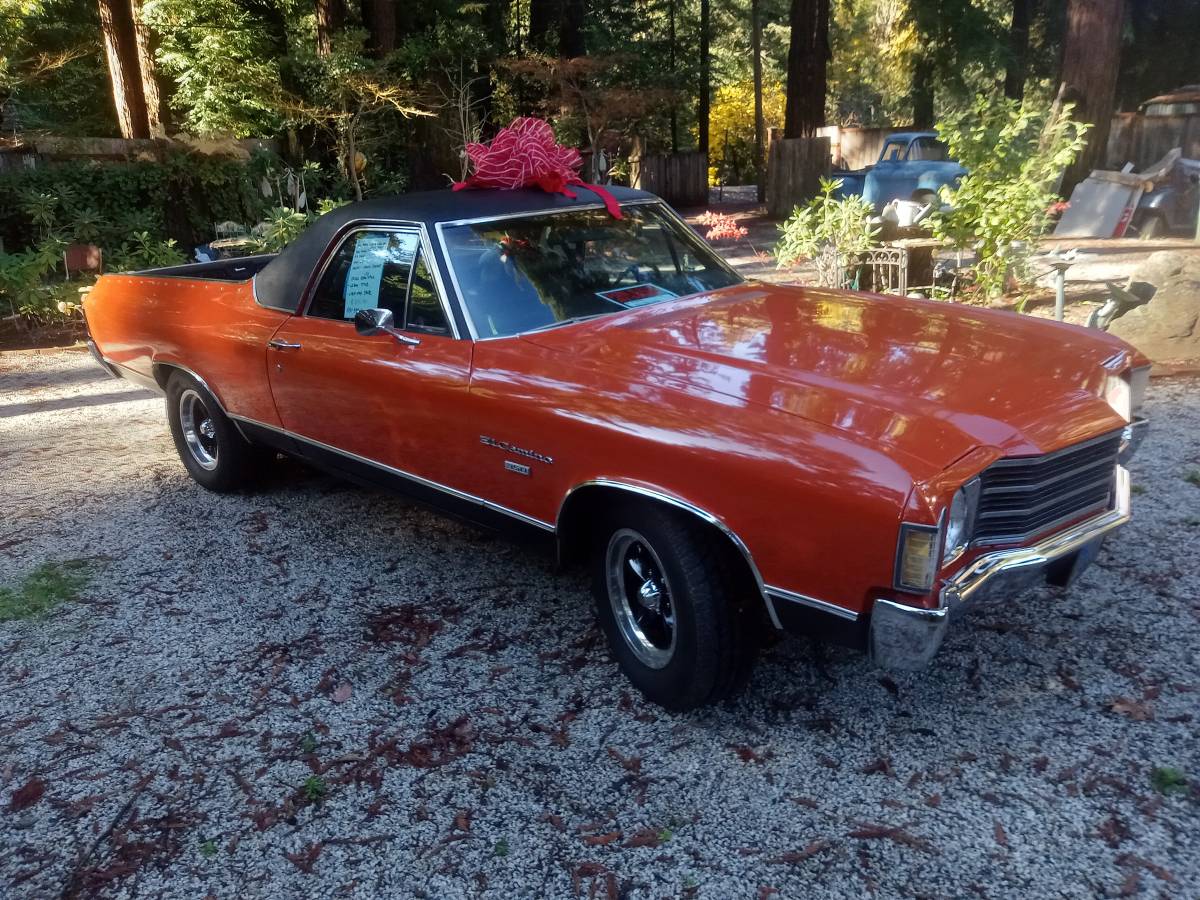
(162, 373)
(583, 511)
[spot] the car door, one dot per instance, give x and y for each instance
(881, 178)
(391, 400)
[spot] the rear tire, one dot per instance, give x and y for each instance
(211, 448)
(672, 606)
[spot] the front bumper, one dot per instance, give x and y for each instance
(906, 637)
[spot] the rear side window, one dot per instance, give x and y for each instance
(380, 270)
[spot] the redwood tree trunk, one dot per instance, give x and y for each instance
(543, 16)
(671, 61)
(1018, 49)
(1091, 58)
(329, 19)
(379, 16)
(570, 30)
(922, 93)
(120, 48)
(156, 111)
(808, 56)
(756, 63)
(705, 75)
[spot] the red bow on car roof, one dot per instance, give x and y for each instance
(525, 154)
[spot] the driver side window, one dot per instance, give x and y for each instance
(381, 270)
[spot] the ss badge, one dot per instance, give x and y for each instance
(517, 467)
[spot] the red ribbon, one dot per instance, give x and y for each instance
(525, 154)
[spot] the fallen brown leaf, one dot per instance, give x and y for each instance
(1133, 709)
(599, 840)
(644, 837)
(305, 859)
(24, 797)
(798, 856)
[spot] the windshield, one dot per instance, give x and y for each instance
(531, 272)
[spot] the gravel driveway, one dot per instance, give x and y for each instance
(320, 690)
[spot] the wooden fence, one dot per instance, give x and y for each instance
(856, 148)
(795, 167)
(1144, 140)
(679, 178)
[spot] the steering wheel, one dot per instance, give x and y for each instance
(635, 270)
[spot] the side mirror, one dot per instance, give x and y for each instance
(373, 321)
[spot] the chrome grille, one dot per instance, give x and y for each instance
(1024, 496)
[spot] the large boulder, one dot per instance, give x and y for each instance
(1167, 329)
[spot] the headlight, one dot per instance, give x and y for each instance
(961, 521)
(1125, 392)
(917, 558)
(1138, 379)
(1119, 395)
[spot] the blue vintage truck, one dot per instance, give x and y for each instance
(912, 165)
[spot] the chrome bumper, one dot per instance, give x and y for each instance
(905, 637)
(99, 358)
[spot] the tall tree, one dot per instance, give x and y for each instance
(144, 40)
(756, 62)
(705, 74)
(379, 17)
(808, 57)
(1018, 49)
(121, 50)
(1090, 63)
(671, 49)
(570, 29)
(543, 18)
(926, 18)
(330, 14)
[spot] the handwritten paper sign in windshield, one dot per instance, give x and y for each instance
(366, 271)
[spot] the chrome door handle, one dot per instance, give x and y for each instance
(276, 344)
(405, 339)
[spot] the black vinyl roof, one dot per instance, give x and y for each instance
(282, 281)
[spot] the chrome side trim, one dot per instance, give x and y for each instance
(152, 384)
(445, 489)
(689, 507)
(356, 225)
(777, 593)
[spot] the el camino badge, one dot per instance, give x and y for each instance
(637, 294)
(518, 451)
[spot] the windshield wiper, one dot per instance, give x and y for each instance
(568, 321)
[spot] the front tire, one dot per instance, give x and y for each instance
(211, 448)
(672, 606)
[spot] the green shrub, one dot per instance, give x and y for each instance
(142, 251)
(828, 229)
(1014, 155)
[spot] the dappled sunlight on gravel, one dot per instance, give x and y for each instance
(323, 690)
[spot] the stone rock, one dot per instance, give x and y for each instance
(1167, 329)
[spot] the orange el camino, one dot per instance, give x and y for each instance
(725, 455)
